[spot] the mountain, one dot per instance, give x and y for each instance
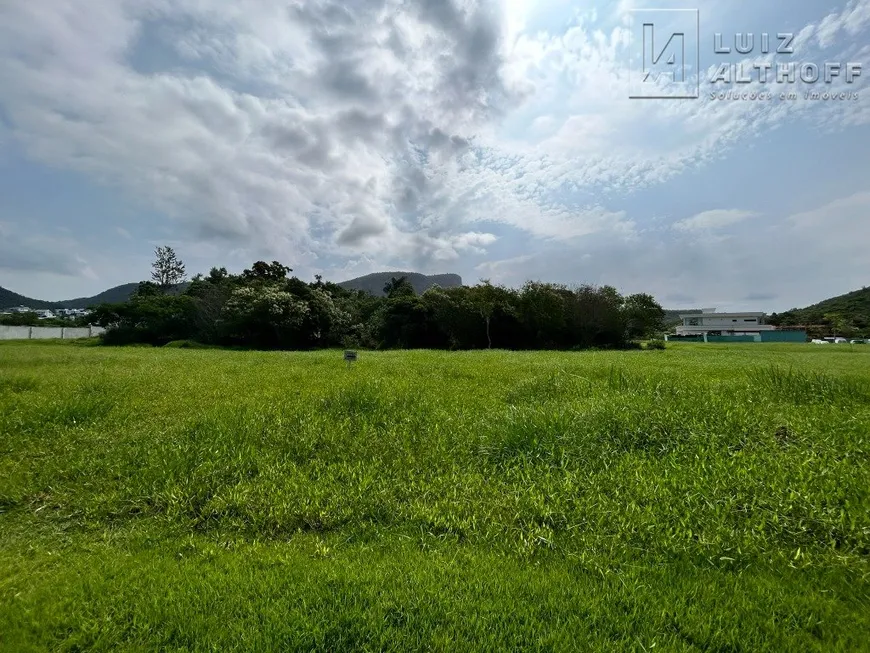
(672, 316)
(845, 313)
(9, 299)
(374, 283)
(116, 295)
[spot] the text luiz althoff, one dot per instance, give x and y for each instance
(778, 72)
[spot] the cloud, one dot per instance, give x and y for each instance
(678, 299)
(851, 20)
(499, 268)
(601, 140)
(361, 229)
(716, 219)
(376, 132)
(24, 252)
(835, 235)
(760, 297)
(353, 105)
(784, 260)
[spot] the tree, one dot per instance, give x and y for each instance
(399, 287)
(267, 272)
(643, 315)
(265, 316)
(542, 311)
(167, 269)
(20, 319)
(147, 289)
(211, 294)
(402, 322)
(840, 325)
(486, 299)
(325, 321)
(596, 317)
(218, 275)
(155, 319)
(453, 315)
(266, 307)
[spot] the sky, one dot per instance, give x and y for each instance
(492, 139)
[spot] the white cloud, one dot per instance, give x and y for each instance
(326, 147)
(372, 132)
(715, 219)
(779, 262)
(499, 268)
(836, 235)
(852, 19)
(27, 252)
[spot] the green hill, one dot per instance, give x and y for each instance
(9, 299)
(118, 294)
(847, 315)
(672, 316)
(114, 295)
(374, 283)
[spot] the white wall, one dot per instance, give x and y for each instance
(76, 332)
(14, 333)
(45, 333)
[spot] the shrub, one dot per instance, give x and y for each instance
(656, 344)
(187, 344)
(122, 335)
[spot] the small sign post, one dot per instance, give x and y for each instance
(350, 357)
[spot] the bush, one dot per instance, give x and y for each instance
(122, 336)
(187, 344)
(656, 344)
(94, 341)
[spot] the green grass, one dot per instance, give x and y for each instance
(706, 497)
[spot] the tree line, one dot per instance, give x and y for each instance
(264, 307)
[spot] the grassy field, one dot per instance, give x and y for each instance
(706, 497)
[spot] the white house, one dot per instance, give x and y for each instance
(726, 324)
(70, 312)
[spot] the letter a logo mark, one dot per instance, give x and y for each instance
(664, 53)
(674, 67)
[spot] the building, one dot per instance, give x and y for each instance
(71, 312)
(722, 324)
(710, 326)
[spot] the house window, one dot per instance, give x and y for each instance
(750, 320)
(692, 321)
